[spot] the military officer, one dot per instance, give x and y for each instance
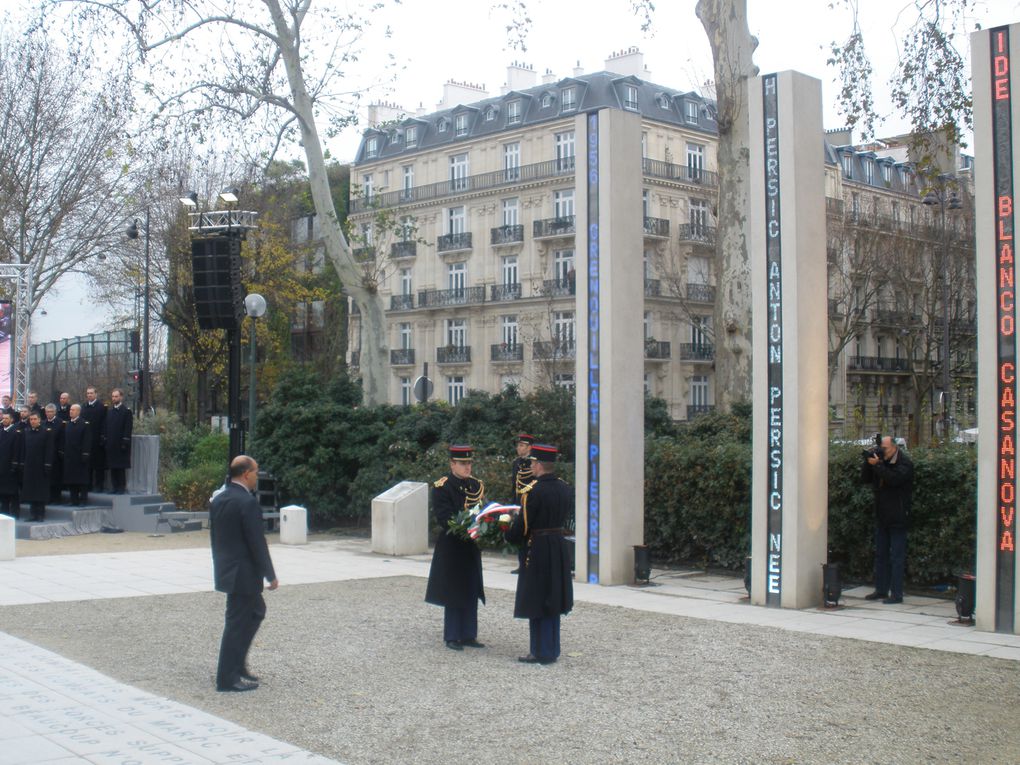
(34, 405)
(9, 441)
(117, 441)
(77, 440)
(64, 410)
(55, 425)
(36, 454)
(520, 476)
(545, 590)
(6, 407)
(94, 413)
(455, 578)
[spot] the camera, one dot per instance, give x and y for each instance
(874, 451)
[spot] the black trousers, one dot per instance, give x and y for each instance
(79, 494)
(118, 477)
(38, 510)
(244, 616)
(98, 478)
(9, 505)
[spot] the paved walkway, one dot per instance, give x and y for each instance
(57, 711)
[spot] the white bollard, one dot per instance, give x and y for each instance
(6, 537)
(293, 525)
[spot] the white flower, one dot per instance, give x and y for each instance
(504, 518)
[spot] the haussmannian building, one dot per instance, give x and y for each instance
(465, 216)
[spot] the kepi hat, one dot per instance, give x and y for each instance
(526, 438)
(461, 453)
(544, 452)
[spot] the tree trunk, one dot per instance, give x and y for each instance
(725, 23)
(374, 350)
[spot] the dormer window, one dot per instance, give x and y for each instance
(869, 171)
(663, 100)
(513, 113)
(490, 113)
(461, 125)
(886, 172)
(372, 147)
(692, 112)
(630, 97)
(568, 99)
(547, 100)
(411, 136)
(848, 166)
(442, 125)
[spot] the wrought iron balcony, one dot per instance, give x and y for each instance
(363, 254)
(697, 233)
(892, 316)
(403, 250)
(453, 354)
(657, 350)
(401, 302)
(545, 228)
(553, 168)
(697, 351)
(501, 292)
(505, 352)
(506, 235)
(657, 227)
(401, 356)
(559, 287)
(701, 293)
(667, 171)
(696, 410)
(653, 288)
(879, 364)
(454, 242)
(553, 349)
(457, 296)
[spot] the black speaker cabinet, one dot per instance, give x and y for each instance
(219, 296)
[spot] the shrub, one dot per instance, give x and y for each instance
(190, 488)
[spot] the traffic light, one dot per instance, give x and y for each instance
(135, 377)
(134, 341)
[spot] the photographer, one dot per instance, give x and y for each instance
(891, 475)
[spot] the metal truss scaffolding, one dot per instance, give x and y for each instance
(21, 275)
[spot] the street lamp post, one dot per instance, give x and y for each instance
(255, 307)
(143, 398)
(945, 199)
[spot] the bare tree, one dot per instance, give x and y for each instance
(249, 63)
(64, 178)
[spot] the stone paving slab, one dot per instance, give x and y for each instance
(56, 711)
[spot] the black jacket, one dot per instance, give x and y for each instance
(9, 443)
(893, 485)
(239, 551)
(76, 443)
(455, 578)
(520, 476)
(117, 441)
(95, 415)
(544, 586)
(37, 451)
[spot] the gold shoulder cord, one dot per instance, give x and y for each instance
(473, 498)
(441, 482)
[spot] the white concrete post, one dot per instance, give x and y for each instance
(6, 537)
(400, 520)
(293, 525)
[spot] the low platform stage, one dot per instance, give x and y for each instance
(126, 512)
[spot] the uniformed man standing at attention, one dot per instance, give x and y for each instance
(9, 442)
(117, 441)
(76, 442)
(36, 452)
(455, 579)
(545, 590)
(520, 476)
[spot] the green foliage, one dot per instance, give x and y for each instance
(193, 461)
(211, 449)
(190, 488)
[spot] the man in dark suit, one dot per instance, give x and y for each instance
(64, 410)
(545, 590)
(6, 407)
(9, 442)
(34, 405)
(76, 442)
(117, 441)
(94, 413)
(55, 426)
(36, 453)
(240, 562)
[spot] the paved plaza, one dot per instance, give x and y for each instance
(108, 657)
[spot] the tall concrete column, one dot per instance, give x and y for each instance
(996, 170)
(788, 280)
(609, 473)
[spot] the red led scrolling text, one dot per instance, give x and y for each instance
(1007, 327)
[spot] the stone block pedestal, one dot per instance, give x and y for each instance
(400, 520)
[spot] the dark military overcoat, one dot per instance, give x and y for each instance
(118, 437)
(77, 440)
(455, 579)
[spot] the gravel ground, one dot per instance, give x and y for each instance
(357, 671)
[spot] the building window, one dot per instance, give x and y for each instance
(461, 124)
(411, 136)
(848, 166)
(563, 203)
(886, 172)
(630, 97)
(456, 333)
(568, 100)
(508, 326)
(408, 179)
(404, 335)
(699, 390)
(547, 100)
(648, 324)
(699, 270)
(513, 113)
(564, 330)
(509, 270)
(700, 327)
(366, 234)
(455, 220)
(490, 113)
(405, 391)
(512, 161)
(695, 161)
(405, 281)
(458, 172)
(564, 380)
(372, 147)
(442, 124)
(510, 216)
(691, 112)
(366, 186)
(454, 390)
(868, 166)
(698, 217)
(648, 384)
(644, 144)
(456, 276)
(855, 205)
(565, 150)
(644, 203)
(563, 265)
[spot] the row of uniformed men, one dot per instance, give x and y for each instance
(544, 587)
(45, 449)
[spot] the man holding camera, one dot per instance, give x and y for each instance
(891, 475)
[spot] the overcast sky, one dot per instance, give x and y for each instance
(437, 40)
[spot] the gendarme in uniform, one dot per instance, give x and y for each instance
(455, 579)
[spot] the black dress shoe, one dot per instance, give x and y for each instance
(892, 601)
(516, 571)
(239, 687)
(875, 596)
(248, 677)
(472, 643)
(453, 645)
(529, 659)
